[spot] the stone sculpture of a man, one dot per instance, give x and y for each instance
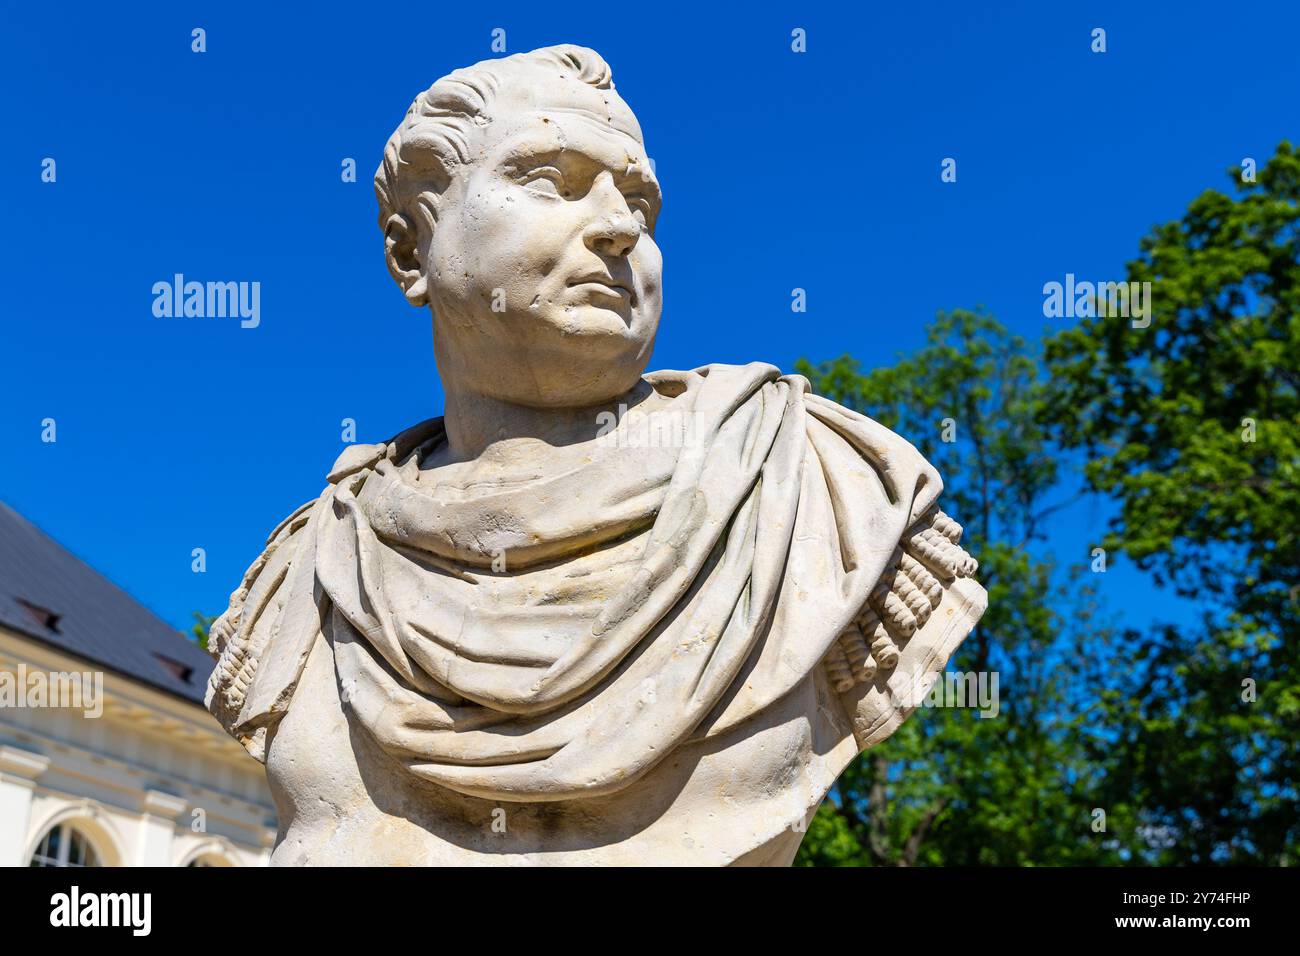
(591, 615)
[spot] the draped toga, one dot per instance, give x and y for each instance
(556, 637)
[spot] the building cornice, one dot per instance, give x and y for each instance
(184, 722)
(19, 766)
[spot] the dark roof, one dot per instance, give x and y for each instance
(50, 594)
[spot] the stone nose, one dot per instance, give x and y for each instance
(613, 231)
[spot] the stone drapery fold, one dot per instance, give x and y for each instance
(556, 637)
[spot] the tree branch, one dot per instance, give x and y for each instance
(877, 805)
(913, 846)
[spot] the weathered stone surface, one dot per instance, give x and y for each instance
(591, 615)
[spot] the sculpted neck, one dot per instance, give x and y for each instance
(478, 424)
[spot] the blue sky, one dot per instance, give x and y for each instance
(780, 170)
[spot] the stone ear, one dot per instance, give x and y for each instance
(402, 253)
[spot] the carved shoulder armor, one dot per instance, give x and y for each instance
(239, 635)
(924, 604)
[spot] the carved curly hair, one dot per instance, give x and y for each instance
(434, 137)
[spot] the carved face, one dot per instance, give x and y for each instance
(543, 272)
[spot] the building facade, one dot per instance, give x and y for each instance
(107, 754)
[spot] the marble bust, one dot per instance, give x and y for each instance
(589, 615)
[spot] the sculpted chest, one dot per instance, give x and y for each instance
(368, 764)
(741, 799)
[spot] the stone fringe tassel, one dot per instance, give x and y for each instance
(910, 590)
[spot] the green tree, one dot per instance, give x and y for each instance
(199, 630)
(1193, 424)
(950, 787)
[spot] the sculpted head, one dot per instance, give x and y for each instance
(518, 203)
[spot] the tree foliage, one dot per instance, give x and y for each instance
(1185, 737)
(200, 628)
(1193, 425)
(952, 787)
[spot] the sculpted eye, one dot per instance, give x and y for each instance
(546, 180)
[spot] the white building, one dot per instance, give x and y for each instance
(107, 755)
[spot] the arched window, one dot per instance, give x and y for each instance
(65, 845)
